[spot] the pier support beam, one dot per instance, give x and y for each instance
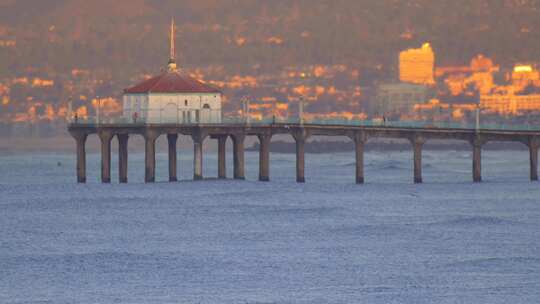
(360, 139)
(172, 139)
(239, 166)
(222, 160)
(534, 144)
(418, 143)
(150, 138)
(80, 139)
(198, 140)
(123, 158)
(264, 157)
(300, 137)
(477, 160)
(105, 137)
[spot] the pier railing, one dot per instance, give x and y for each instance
(319, 121)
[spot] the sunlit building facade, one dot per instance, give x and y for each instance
(510, 104)
(524, 75)
(417, 65)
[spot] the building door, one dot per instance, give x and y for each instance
(206, 116)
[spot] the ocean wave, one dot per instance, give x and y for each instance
(374, 230)
(387, 165)
(474, 221)
(348, 165)
(497, 264)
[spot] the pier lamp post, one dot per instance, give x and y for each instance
(245, 109)
(70, 110)
(274, 112)
(248, 119)
(98, 109)
(477, 128)
(301, 110)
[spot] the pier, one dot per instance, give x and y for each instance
(360, 134)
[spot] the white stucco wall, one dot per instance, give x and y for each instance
(174, 108)
(135, 103)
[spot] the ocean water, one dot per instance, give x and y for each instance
(326, 241)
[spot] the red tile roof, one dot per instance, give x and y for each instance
(171, 82)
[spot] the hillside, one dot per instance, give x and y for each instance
(130, 35)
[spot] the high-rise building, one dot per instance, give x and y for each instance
(417, 65)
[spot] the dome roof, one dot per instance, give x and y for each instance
(172, 82)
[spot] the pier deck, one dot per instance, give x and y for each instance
(359, 133)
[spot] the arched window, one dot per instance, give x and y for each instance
(206, 106)
(185, 102)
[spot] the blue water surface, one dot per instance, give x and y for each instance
(326, 241)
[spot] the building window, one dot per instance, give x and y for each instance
(185, 102)
(206, 106)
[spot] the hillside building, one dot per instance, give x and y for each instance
(401, 97)
(524, 75)
(510, 104)
(417, 65)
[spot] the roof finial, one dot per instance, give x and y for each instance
(172, 58)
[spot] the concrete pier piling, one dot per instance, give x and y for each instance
(359, 140)
(264, 157)
(198, 141)
(477, 160)
(172, 139)
(80, 139)
(418, 143)
(238, 150)
(300, 138)
(123, 158)
(106, 138)
(150, 156)
(222, 157)
(533, 152)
